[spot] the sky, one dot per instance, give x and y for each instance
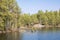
(32, 6)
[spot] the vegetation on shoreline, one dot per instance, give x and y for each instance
(48, 18)
(11, 17)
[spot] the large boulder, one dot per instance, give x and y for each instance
(38, 26)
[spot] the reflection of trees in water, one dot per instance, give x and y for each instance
(13, 36)
(2, 36)
(10, 36)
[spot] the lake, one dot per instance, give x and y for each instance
(37, 35)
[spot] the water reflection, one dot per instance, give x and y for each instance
(38, 35)
(10, 36)
(2, 37)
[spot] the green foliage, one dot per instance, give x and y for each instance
(10, 17)
(9, 14)
(47, 18)
(51, 18)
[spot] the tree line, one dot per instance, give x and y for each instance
(11, 17)
(47, 18)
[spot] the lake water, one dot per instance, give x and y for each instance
(38, 35)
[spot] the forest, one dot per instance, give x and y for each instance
(12, 18)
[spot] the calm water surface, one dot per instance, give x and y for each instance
(39, 35)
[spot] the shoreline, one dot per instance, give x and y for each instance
(32, 29)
